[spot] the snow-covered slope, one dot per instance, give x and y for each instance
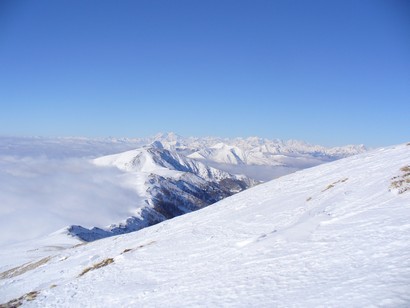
(221, 153)
(155, 159)
(110, 195)
(335, 235)
(170, 184)
(51, 180)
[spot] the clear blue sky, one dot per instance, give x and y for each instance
(328, 72)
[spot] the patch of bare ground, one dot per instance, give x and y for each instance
(140, 246)
(80, 244)
(108, 261)
(97, 266)
(17, 302)
(334, 183)
(405, 169)
(16, 271)
(401, 183)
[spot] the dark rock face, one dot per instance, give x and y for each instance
(169, 198)
(148, 218)
(194, 186)
(172, 198)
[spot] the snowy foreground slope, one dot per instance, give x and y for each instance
(333, 235)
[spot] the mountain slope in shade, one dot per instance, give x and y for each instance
(172, 185)
(334, 235)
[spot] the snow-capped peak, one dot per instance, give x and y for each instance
(170, 184)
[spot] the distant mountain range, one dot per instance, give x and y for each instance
(252, 150)
(258, 158)
(185, 174)
(144, 180)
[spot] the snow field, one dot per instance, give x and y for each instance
(333, 235)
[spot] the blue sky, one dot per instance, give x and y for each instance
(327, 72)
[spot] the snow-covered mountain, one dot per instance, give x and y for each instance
(258, 158)
(56, 182)
(170, 184)
(336, 235)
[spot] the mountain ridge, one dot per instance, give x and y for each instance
(333, 235)
(58, 178)
(172, 185)
(95, 147)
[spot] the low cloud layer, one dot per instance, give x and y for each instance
(39, 195)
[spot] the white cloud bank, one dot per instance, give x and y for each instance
(40, 195)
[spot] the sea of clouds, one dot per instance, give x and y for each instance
(39, 195)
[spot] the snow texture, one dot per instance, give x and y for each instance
(330, 236)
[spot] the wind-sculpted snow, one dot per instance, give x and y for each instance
(330, 236)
